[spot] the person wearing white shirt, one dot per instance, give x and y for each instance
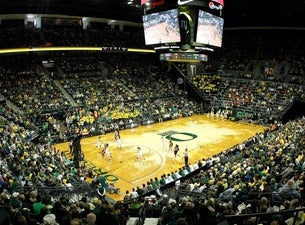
(139, 153)
(195, 166)
(169, 179)
(191, 168)
(134, 193)
(185, 171)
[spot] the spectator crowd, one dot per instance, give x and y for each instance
(99, 93)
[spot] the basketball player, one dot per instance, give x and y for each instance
(98, 143)
(107, 152)
(118, 139)
(139, 154)
(176, 150)
(170, 146)
(163, 143)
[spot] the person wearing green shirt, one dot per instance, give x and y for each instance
(162, 180)
(155, 183)
(38, 205)
(102, 181)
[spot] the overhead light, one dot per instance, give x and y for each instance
(31, 16)
(111, 22)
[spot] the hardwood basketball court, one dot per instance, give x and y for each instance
(202, 135)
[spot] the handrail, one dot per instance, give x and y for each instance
(230, 218)
(78, 188)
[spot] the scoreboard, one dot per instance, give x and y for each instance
(183, 57)
(192, 26)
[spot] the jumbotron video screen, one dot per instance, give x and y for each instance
(209, 29)
(162, 27)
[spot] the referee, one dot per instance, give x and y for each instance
(186, 157)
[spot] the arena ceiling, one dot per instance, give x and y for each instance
(236, 12)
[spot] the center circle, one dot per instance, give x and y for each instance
(181, 136)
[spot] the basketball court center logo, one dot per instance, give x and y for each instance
(178, 136)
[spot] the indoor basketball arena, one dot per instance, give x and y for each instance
(152, 112)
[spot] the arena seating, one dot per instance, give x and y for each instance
(266, 173)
